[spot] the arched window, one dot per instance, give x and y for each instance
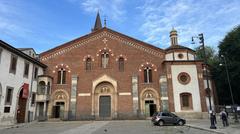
(186, 101)
(104, 59)
(121, 64)
(89, 64)
(41, 87)
(147, 75)
(61, 76)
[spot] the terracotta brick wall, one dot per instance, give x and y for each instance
(74, 59)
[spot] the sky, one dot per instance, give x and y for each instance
(45, 24)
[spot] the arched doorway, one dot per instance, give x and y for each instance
(21, 108)
(149, 102)
(60, 104)
(105, 101)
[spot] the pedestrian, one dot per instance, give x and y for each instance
(214, 117)
(224, 117)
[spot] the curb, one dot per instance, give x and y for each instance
(205, 129)
(12, 126)
(16, 125)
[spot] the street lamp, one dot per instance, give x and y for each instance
(230, 88)
(208, 91)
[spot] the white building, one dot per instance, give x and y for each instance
(18, 85)
(29, 51)
(188, 80)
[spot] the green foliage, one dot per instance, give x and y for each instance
(210, 54)
(230, 48)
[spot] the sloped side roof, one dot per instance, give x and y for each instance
(20, 53)
(177, 47)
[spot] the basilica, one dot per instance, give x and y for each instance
(109, 75)
(106, 74)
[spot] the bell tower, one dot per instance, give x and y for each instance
(98, 24)
(174, 37)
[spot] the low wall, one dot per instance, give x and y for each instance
(193, 115)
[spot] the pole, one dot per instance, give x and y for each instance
(230, 88)
(201, 38)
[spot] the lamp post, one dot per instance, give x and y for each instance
(208, 91)
(230, 89)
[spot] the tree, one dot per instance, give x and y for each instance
(212, 61)
(210, 54)
(230, 48)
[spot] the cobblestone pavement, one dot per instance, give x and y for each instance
(101, 127)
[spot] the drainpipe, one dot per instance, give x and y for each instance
(30, 95)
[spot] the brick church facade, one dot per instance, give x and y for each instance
(108, 75)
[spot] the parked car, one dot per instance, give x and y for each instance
(162, 118)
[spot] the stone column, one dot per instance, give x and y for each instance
(73, 101)
(44, 109)
(135, 94)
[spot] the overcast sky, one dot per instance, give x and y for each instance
(44, 24)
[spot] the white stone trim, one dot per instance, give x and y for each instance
(73, 99)
(164, 98)
(84, 94)
(135, 98)
(125, 93)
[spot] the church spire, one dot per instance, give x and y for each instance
(98, 24)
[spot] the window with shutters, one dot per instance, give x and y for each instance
(26, 69)
(35, 72)
(33, 98)
(8, 98)
(13, 64)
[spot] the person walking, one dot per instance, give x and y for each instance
(214, 117)
(224, 117)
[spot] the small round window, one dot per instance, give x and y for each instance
(184, 78)
(180, 56)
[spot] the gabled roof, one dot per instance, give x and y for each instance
(20, 53)
(97, 32)
(23, 49)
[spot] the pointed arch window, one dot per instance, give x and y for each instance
(61, 76)
(147, 75)
(105, 59)
(89, 64)
(121, 64)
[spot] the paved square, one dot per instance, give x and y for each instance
(101, 127)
